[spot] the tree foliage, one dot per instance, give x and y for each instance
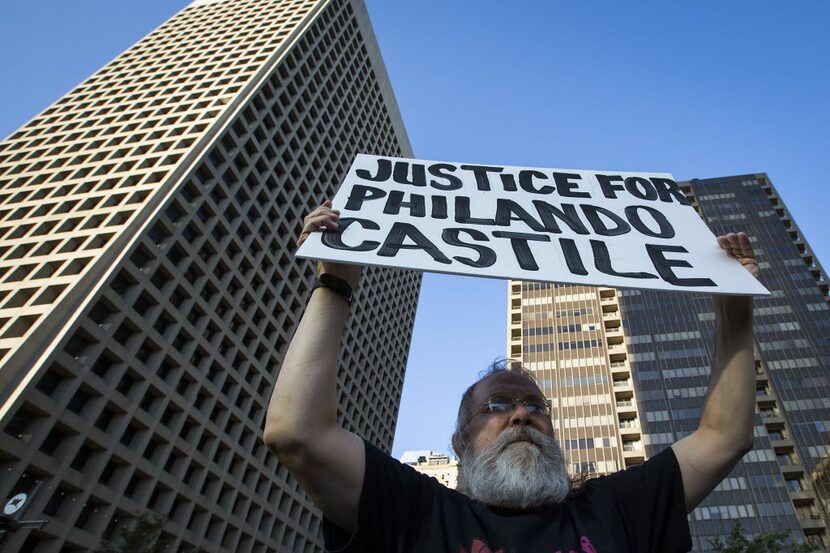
(143, 533)
(767, 542)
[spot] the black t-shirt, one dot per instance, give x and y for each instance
(638, 510)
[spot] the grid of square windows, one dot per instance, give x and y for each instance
(82, 171)
(155, 398)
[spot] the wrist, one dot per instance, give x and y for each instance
(335, 285)
(734, 312)
(349, 273)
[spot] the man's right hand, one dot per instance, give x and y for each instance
(301, 424)
(324, 217)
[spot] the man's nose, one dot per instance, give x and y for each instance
(520, 416)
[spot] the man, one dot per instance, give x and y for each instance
(514, 495)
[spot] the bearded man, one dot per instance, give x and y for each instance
(523, 468)
(514, 492)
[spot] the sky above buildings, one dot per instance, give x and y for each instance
(702, 89)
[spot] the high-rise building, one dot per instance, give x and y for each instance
(147, 284)
(627, 370)
(438, 465)
(571, 339)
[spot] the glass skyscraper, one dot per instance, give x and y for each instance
(147, 284)
(627, 370)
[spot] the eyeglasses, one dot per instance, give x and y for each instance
(502, 403)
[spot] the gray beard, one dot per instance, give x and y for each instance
(517, 475)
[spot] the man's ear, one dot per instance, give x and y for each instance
(457, 445)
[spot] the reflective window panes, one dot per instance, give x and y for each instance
(651, 364)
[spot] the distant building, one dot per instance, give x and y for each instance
(148, 288)
(627, 370)
(438, 465)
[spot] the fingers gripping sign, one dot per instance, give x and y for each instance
(738, 246)
(326, 218)
(322, 217)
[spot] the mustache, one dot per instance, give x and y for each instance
(521, 433)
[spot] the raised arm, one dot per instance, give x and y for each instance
(301, 423)
(725, 432)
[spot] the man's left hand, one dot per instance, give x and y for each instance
(737, 245)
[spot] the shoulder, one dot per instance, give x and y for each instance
(395, 499)
(665, 461)
(660, 467)
(645, 500)
(382, 466)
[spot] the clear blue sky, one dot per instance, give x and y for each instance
(698, 89)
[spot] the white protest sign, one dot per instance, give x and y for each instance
(601, 228)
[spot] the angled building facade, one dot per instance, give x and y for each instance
(654, 350)
(147, 284)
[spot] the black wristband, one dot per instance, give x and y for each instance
(336, 284)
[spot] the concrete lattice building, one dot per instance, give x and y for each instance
(147, 284)
(627, 370)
